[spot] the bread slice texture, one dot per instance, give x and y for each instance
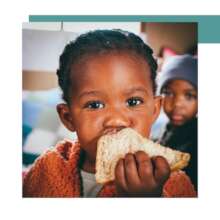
(112, 147)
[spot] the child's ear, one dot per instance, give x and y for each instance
(157, 106)
(65, 116)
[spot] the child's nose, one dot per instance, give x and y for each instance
(117, 119)
(178, 101)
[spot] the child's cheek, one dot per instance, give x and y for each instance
(167, 105)
(89, 128)
(142, 122)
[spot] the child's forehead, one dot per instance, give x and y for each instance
(179, 83)
(94, 64)
(106, 69)
(113, 54)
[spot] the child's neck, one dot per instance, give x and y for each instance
(88, 165)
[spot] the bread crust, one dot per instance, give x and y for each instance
(112, 147)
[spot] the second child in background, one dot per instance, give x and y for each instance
(178, 85)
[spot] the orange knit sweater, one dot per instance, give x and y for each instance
(56, 174)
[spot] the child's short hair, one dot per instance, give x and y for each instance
(102, 41)
(178, 67)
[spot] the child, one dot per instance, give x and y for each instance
(178, 84)
(108, 83)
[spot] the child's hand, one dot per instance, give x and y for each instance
(138, 175)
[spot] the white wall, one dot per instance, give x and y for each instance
(41, 49)
(43, 42)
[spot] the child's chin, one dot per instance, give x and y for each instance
(177, 123)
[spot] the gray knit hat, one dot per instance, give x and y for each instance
(178, 67)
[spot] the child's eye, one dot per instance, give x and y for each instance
(94, 105)
(134, 101)
(190, 96)
(167, 93)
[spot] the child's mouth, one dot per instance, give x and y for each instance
(111, 131)
(177, 117)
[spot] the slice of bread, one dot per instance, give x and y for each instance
(112, 147)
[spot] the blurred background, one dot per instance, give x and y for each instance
(42, 44)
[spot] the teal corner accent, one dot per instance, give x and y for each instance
(208, 25)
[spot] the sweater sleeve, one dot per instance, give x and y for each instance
(179, 185)
(50, 176)
(35, 179)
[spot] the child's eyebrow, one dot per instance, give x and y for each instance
(127, 92)
(137, 89)
(90, 93)
(190, 90)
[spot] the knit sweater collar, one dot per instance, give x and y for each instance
(74, 154)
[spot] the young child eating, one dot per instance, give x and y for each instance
(108, 83)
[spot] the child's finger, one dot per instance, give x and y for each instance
(162, 169)
(145, 168)
(120, 178)
(131, 171)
